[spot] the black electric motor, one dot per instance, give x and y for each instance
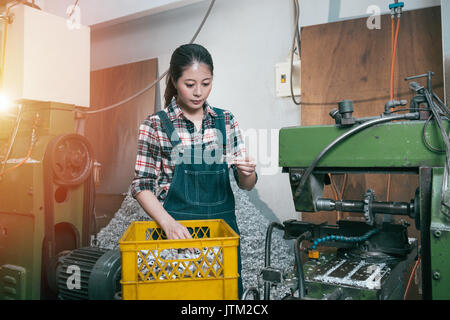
(89, 273)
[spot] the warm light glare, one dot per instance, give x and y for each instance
(5, 103)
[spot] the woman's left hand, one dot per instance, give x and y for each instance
(246, 165)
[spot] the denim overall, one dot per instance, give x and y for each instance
(201, 189)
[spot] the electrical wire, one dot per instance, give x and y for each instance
(3, 55)
(388, 187)
(5, 35)
(442, 105)
(425, 140)
(355, 130)
(336, 197)
(296, 39)
(30, 149)
(298, 262)
(157, 80)
(409, 110)
(324, 103)
(394, 53)
(435, 110)
(410, 277)
(436, 114)
(12, 138)
(344, 185)
(392, 33)
(73, 8)
(338, 194)
(267, 252)
(2, 72)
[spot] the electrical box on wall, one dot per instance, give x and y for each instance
(283, 78)
(45, 60)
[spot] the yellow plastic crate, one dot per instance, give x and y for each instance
(154, 268)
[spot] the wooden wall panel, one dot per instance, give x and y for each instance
(114, 133)
(346, 60)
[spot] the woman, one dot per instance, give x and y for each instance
(175, 177)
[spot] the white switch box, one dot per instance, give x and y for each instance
(283, 78)
(45, 60)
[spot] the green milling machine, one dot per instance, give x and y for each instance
(370, 257)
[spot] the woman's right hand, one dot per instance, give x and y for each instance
(175, 230)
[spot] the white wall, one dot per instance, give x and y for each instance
(246, 39)
(102, 13)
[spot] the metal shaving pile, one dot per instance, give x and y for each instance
(252, 225)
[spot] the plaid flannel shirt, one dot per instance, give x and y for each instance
(154, 165)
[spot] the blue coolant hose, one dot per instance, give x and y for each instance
(362, 238)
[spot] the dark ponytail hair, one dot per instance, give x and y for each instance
(182, 58)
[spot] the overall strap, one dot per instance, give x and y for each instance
(169, 128)
(220, 125)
